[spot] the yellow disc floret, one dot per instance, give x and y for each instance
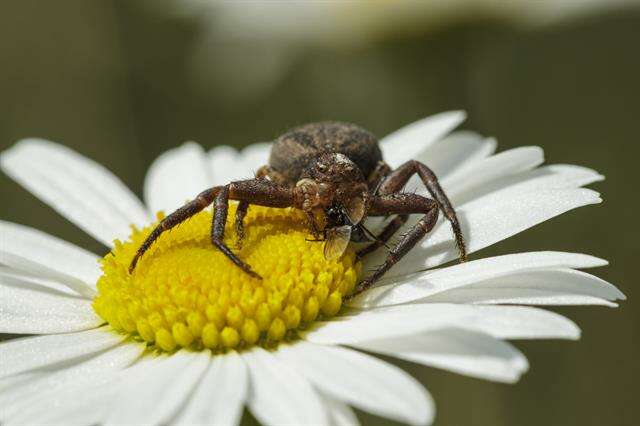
(186, 293)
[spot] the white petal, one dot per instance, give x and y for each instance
(461, 351)
(84, 401)
(159, 389)
(33, 251)
(484, 150)
(340, 413)
(556, 176)
(488, 220)
(429, 283)
(27, 308)
(454, 152)
(253, 157)
(78, 188)
(538, 287)
(406, 143)
(278, 394)
(27, 353)
(220, 396)
(489, 169)
(71, 407)
(176, 177)
(15, 381)
(362, 381)
(502, 322)
(228, 165)
(44, 389)
(39, 282)
(224, 164)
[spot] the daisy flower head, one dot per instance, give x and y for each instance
(189, 338)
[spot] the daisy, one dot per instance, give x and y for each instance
(188, 340)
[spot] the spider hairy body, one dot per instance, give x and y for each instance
(293, 152)
(337, 169)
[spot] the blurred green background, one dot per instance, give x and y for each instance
(122, 81)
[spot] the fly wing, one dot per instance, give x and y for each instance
(355, 210)
(336, 243)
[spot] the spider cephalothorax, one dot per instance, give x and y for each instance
(333, 181)
(335, 168)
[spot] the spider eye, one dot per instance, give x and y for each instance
(322, 167)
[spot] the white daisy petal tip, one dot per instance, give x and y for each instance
(544, 277)
(501, 322)
(461, 351)
(490, 219)
(407, 142)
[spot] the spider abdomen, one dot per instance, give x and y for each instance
(294, 151)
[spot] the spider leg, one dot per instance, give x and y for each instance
(217, 230)
(402, 204)
(267, 172)
(384, 236)
(183, 213)
(254, 191)
(264, 172)
(398, 179)
(241, 212)
(377, 176)
(374, 181)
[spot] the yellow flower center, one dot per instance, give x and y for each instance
(186, 293)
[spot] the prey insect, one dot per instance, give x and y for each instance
(338, 169)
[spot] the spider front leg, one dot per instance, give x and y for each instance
(183, 213)
(401, 204)
(221, 208)
(374, 181)
(254, 191)
(399, 178)
(377, 176)
(266, 173)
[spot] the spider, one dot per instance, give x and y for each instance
(336, 168)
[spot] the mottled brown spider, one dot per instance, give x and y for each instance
(336, 168)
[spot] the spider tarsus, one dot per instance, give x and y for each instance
(240, 238)
(134, 262)
(252, 274)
